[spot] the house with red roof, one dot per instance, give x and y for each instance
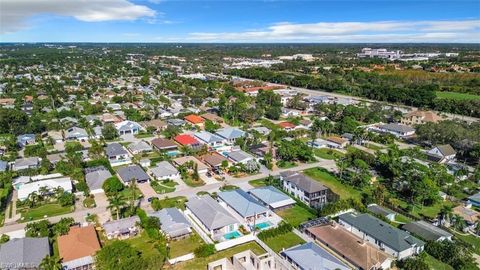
(186, 140)
(287, 126)
(194, 119)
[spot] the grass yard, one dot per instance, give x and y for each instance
(184, 246)
(295, 215)
(436, 264)
(228, 188)
(178, 202)
(427, 211)
(282, 241)
(127, 193)
(163, 187)
(49, 210)
(344, 191)
(455, 95)
(258, 182)
(286, 164)
(471, 239)
(201, 263)
(147, 246)
(327, 153)
(373, 147)
(193, 183)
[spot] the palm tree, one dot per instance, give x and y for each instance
(51, 263)
(445, 214)
(133, 189)
(43, 191)
(116, 202)
(32, 199)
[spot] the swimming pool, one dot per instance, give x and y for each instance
(173, 153)
(263, 225)
(232, 235)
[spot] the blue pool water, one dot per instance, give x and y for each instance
(263, 225)
(232, 235)
(173, 153)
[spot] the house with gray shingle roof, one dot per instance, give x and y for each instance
(140, 147)
(133, 172)
(240, 156)
(398, 130)
(310, 256)
(272, 197)
(442, 153)
(23, 253)
(173, 223)
(26, 163)
(121, 228)
(245, 205)
(95, 177)
(164, 170)
(427, 231)
(76, 133)
(116, 154)
(230, 134)
(209, 138)
(213, 218)
(400, 244)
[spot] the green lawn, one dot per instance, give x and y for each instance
(258, 182)
(150, 249)
(201, 263)
(427, 211)
(333, 183)
(472, 240)
(193, 183)
(49, 210)
(127, 193)
(286, 164)
(89, 202)
(455, 95)
(185, 246)
(178, 202)
(163, 187)
(436, 264)
(228, 188)
(373, 147)
(295, 215)
(282, 241)
(327, 153)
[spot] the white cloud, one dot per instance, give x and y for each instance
(380, 31)
(14, 14)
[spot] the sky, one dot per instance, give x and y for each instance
(248, 21)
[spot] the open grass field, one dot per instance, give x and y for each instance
(282, 241)
(436, 264)
(455, 95)
(49, 210)
(184, 246)
(295, 215)
(178, 202)
(326, 153)
(333, 183)
(201, 263)
(472, 240)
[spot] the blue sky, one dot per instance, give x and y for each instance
(239, 21)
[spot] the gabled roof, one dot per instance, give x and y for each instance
(475, 197)
(185, 139)
(115, 149)
(207, 137)
(127, 125)
(194, 119)
(78, 243)
(379, 210)
(310, 256)
(24, 251)
(239, 155)
(446, 150)
(302, 181)
(286, 125)
(394, 238)
(213, 159)
(426, 230)
(210, 213)
(75, 132)
(182, 160)
(230, 133)
(172, 221)
(244, 204)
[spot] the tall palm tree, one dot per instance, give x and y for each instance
(116, 202)
(133, 189)
(51, 263)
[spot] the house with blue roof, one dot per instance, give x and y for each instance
(272, 198)
(251, 210)
(230, 134)
(310, 256)
(25, 139)
(475, 199)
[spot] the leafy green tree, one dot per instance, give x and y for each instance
(119, 255)
(51, 263)
(204, 250)
(109, 132)
(112, 185)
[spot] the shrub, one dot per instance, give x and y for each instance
(281, 229)
(205, 250)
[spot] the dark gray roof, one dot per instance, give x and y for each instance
(446, 150)
(396, 239)
(426, 230)
(28, 252)
(173, 222)
(310, 256)
(96, 178)
(115, 149)
(302, 181)
(132, 172)
(379, 210)
(210, 213)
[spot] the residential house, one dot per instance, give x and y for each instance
(25, 139)
(164, 170)
(427, 231)
(307, 190)
(230, 134)
(393, 241)
(194, 120)
(240, 156)
(420, 117)
(398, 130)
(139, 147)
(122, 228)
(442, 153)
(209, 139)
(214, 160)
(260, 150)
(475, 199)
(3, 166)
(311, 256)
(26, 163)
(470, 216)
(77, 248)
(95, 177)
(271, 197)
(173, 223)
(133, 172)
(50, 184)
(336, 142)
(176, 122)
(261, 130)
(76, 133)
(201, 167)
(245, 260)
(164, 144)
(318, 143)
(354, 250)
(215, 220)
(116, 154)
(212, 117)
(187, 141)
(157, 124)
(287, 126)
(24, 253)
(251, 210)
(128, 127)
(382, 211)
(54, 135)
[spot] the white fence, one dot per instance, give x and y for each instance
(183, 258)
(235, 242)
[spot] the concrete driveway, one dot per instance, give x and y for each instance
(147, 190)
(101, 200)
